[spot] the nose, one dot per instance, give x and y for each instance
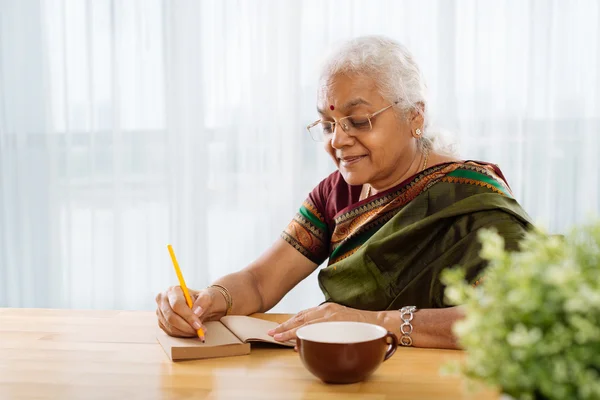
(340, 138)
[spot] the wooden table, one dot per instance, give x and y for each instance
(76, 354)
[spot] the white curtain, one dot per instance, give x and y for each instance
(129, 124)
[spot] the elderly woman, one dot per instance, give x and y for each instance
(397, 211)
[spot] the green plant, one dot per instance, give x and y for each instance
(532, 327)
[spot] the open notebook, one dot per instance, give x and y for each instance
(229, 337)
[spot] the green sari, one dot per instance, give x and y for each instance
(388, 251)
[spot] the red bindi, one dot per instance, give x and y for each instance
(331, 107)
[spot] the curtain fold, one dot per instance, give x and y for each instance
(127, 125)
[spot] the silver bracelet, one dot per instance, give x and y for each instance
(406, 314)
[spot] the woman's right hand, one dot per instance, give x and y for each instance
(177, 319)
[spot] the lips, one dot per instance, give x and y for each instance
(349, 160)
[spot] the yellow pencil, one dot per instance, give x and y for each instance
(184, 288)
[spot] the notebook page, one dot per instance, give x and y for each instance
(250, 329)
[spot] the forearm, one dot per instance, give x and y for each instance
(243, 288)
(263, 283)
(432, 327)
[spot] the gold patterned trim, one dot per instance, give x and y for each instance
(298, 246)
(308, 225)
(453, 179)
(487, 170)
(313, 209)
(372, 213)
(306, 238)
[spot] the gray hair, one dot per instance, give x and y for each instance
(396, 74)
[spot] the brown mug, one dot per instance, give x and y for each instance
(344, 352)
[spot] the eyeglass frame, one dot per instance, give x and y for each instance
(346, 129)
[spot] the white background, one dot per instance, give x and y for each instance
(126, 125)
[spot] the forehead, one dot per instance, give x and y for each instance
(340, 88)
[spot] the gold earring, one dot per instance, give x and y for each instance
(417, 133)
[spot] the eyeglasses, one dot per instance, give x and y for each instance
(353, 125)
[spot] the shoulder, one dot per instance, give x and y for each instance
(487, 168)
(483, 172)
(490, 169)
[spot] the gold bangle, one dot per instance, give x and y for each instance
(220, 290)
(223, 290)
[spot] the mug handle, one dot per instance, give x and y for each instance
(391, 346)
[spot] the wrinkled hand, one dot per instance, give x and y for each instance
(177, 319)
(322, 313)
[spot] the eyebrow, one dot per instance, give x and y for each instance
(349, 105)
(354, 103)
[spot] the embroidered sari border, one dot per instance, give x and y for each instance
(391, 194)
(346, 226)
(312, 209)
(310, 216)
(476, 178)
(354, 225)
(298, 246)
(490, 173)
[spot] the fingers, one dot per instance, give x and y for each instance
(177, 305)
(324, 312)
(175, 316)
(291, 333)
(202, 303)
(168, 328)
(172, 331)
(296, 321)
(287, 330)
(170, 319)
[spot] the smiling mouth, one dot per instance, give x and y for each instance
(347, 161)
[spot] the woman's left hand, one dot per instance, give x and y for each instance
(322, 313)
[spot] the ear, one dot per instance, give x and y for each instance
(416, 116)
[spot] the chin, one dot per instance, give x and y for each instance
(353, 178)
